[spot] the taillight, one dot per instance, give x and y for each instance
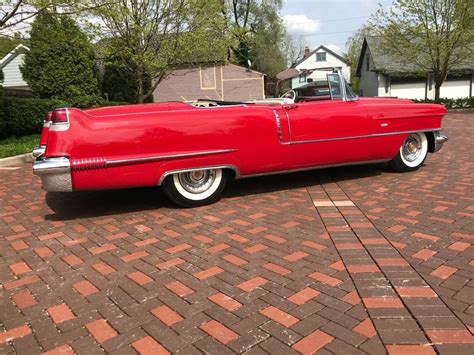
(60, 115)
(59, 120)
(47, 117)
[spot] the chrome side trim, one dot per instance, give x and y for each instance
(316, 168)
(46, 124)
(121, 162)
(407, 132)
(55, 173)
(439, 140)
(361, 137)
(278, 123)
(38, 152)
(171, 172)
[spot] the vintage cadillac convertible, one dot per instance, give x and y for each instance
(192, 149)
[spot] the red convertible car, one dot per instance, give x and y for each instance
(192, 149)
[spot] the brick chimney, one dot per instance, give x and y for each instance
(306, 52)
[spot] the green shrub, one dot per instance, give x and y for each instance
(23, 116)
(465, 102)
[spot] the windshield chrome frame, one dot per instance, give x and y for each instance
(344, 87)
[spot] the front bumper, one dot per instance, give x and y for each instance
(439, 140)
(55, 173)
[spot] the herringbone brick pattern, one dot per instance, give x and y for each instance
(351, 260)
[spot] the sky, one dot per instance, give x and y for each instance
(328, 22)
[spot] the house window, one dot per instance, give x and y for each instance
(302, 78)
(367, 62)
(321, 57)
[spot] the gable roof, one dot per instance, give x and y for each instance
(387, 63)
(317, 49)
(10, 56)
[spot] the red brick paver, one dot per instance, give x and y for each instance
(351, 260)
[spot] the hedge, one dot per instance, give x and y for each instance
(465, 102)
(24, 116)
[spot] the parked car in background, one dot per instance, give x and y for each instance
(193, 149)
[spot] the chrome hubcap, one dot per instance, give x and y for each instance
(197, 181)
(412, 147)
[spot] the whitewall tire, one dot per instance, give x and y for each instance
(196, 187)
(412, 153)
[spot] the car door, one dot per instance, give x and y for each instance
(329, 132)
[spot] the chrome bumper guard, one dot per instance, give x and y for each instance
(439, 140)
(55, 173)
(38, 152)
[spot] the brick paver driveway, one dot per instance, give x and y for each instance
(350, 260)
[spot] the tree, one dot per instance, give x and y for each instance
(60, 63)
(16, 12)
(151, 37)
(354, 46)
(257, 34)
(292, 47)
(118, 83)
(7, 44)
(434, 36)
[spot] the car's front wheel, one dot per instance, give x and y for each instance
(196, 187)
(412, 153)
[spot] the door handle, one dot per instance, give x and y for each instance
(289, 107)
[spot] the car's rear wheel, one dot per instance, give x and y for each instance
(196, 187)
(412, 153)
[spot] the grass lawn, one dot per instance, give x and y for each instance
(14, 146)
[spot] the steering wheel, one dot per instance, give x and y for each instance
(290, 94)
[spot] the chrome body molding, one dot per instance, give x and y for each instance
(46, 124)
(352, 137)
(38, 152)
(172, 172)
(121, 162)
(277, 118)
(439, 140)
(55, 173)
(315, 168)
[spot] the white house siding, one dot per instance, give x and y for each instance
(12, 73)
(310, 63)
(472, 85)
(452, 89)
(455, 89)
(413, 90)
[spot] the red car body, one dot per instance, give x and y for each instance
(140, 145)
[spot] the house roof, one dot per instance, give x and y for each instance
(317, 49)
(8, 58)
(387, 63)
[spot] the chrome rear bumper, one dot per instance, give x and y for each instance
(439, 140)
(55, 173)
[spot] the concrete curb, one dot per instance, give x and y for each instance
(17, 159)
(461, 110)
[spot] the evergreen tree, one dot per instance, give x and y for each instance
(60, 63)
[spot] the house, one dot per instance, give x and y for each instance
(227, 82)
(10, 65)
(320, 58)
(381, 75)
